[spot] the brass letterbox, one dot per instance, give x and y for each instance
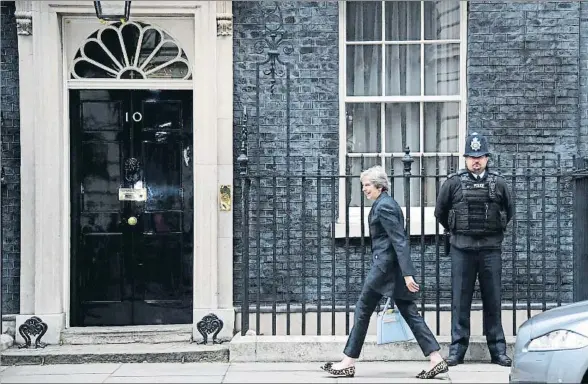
(132, 194)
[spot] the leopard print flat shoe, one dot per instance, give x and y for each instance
(438, 369)
(345, 372)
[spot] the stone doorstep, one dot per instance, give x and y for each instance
(126, 335)
(117, 353)
(330, 348)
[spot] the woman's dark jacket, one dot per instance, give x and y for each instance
(390, 250)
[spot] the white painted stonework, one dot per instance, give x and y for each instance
(204, 28)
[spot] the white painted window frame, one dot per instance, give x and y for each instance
(416, 212)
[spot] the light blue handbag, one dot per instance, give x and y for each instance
(392, 328)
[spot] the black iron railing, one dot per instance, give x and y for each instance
(302, 248)
(301, 242)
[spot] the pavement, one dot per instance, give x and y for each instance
(366, 372)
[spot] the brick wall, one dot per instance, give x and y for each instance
(523, 92)
(9, 108)
(583, 43)
(311, 30)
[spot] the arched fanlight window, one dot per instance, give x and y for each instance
(131, 50)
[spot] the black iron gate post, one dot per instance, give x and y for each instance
(243, 182)
(2, 184)
(580, 224)
(407, 161)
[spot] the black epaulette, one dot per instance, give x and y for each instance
(493, 172)
(458, 173)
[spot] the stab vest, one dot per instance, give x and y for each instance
(478, 212)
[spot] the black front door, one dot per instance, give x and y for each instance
(131, 207)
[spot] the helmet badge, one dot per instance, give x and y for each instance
(475, 144)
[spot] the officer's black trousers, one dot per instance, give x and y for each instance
(466, 265)
(366, 304)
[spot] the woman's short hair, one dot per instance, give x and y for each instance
(377, 176)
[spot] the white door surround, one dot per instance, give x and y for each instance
(204, 28)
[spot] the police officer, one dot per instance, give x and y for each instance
(475, 206)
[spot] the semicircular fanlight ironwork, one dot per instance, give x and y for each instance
(131, 50)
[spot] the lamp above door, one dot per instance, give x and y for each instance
(113, 10)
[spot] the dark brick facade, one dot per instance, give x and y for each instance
(527, 90)
(311, 29)
(583, 104)
(524, 68)
(524, 89)
(10, 161)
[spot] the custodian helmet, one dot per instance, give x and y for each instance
(476, 145)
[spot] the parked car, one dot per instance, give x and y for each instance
(552, 347)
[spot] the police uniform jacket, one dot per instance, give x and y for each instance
(451, 193)
(390, 250)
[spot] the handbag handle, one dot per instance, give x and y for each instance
(387, 305)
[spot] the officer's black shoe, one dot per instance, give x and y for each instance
(452, 360)
(503, 360)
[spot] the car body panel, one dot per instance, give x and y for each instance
(557, 366)
(572, 317)
(550, 367)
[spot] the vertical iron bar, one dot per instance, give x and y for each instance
(582, 217)
(288, 198)
(275, 248)
(2, 185)
(514, 247)
(528, 180)
(362, 225)
(319, 283)
(258, 255)
(446, 233)
(258, 121)
(543, 205)
(288, 265)
(558, 231)
(437, 256)
(422, 204)
(257, 114)
(407, 160)
(348, 184)
(303, 246)
(497, 166)
(334, 180)
(245, 213)
(243, 160)
(288, 122)
(392, 177)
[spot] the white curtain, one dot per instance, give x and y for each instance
(442, 78)
(402, 73)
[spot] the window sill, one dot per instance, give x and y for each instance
(415, 223)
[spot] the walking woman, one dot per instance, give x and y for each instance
(392, 275)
